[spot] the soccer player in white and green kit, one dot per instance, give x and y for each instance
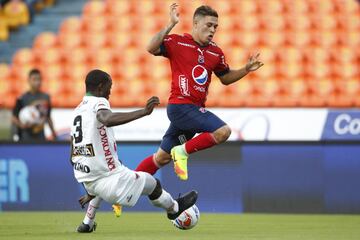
(95, 161)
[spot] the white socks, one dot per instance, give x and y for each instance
(166, 202)
(94, 204)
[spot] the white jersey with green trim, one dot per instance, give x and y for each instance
(94, 153)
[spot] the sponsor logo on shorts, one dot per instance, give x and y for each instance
(83, 150)
(200, 74)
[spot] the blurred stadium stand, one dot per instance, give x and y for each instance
(310, 49)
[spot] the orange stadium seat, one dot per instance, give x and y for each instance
(49, 56)
(296, 7)
(71, 24)
(347, 7)
(246, 7)
(94, 24)
(271, 7)
(94, 8)
(293, 90)
(75, 56)
(151, 89)
(245, 23)
(264, 92)
(94, 41)
(241, 93)
(70, 40)
(5, 84)
(216, 92)
(272, 22)
(118, 8)
(45, 40)
(23, 56)
(320, 92)
(296, 22)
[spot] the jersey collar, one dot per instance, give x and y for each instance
(190, 37)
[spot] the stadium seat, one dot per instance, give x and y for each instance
(23, 56)
(49, 56)
(272, 22)
(5, 82)
(118, 8)
(94, 9)
(296, 7)
(241, 93)
(16, 14)
(320, 92)
(245, 7)
(4, 31)
(45, 40)
(272, 39)
(271, 7)
(94, 24)
(94, 41)
(293, 91)
(296, 22)
(70, 40)
(216, 92)
(72, 25)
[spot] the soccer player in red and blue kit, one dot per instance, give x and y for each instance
(193, 58)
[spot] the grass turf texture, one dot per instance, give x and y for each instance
(61, 225)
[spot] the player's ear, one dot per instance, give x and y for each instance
(100, 88)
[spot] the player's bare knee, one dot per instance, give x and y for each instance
(222, 134)
(157, 191)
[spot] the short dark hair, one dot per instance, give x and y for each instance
(94, 78)
(205, 10)
(34, 71)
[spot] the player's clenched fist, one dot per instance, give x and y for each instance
(151, 104)
(174, 14)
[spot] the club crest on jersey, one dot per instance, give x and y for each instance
(200, 75)
(201, 59)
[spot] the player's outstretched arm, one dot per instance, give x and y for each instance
(109, 119)
(232, 76)
(156, 41)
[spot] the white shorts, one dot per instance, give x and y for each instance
(123, 187)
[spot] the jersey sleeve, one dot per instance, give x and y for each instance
(17, 108)
(102, 103)
(48, 99)
(222, 67)
(167, 46)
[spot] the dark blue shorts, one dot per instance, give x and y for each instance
(185, 121)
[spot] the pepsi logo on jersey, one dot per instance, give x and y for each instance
(200, 74)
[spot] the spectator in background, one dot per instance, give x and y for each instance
(32, 111)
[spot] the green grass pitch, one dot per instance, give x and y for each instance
(149, 226)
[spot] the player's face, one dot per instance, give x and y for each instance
(35, 82)
(205, 28)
